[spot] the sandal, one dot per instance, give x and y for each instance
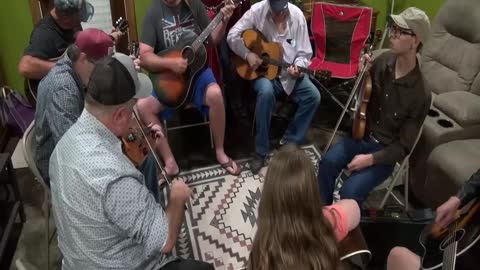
(229, 164)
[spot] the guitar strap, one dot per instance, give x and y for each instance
(194, 13)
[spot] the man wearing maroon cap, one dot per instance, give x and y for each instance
(61, 93)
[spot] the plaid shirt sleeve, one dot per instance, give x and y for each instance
(63, 112)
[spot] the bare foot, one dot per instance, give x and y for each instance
(228, 164)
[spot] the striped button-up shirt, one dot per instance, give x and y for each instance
(105, 216)
(59, 104)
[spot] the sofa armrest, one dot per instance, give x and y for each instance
(463, 107)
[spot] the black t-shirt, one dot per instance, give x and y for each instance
(48, 40)
(163, 25)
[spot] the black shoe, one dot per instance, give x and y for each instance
(256, 163)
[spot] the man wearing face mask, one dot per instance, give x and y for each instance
(61, 93)
(282, 22)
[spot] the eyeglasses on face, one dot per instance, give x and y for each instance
(396, 31)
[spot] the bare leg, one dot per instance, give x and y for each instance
(352, 210)
(216, 113)
(401, 258)
(148, 109)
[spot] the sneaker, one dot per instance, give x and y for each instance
(256, 163)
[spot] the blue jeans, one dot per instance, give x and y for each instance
(360, 183)
(149, 170)
(304, 94)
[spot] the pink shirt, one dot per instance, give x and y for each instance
(337, 216)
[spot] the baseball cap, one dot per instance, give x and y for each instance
(81, 8)
(414, 19)
(115, 81)
(94, 43)
(278, 5)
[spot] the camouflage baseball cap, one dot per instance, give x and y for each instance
(81, 8)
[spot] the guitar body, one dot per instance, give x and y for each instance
(354, 250)
(257, 44)
(468, 246)
(176, 90)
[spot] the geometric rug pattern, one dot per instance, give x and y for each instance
(220, 220)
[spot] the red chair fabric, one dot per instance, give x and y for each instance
(340, 33)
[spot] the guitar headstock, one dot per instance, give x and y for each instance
(121, 25)
(134, 48)
(322, 75)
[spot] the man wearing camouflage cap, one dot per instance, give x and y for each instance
(52, 35)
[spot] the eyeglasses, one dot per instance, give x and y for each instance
(396, 32)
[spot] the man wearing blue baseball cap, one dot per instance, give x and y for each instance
(284, 23)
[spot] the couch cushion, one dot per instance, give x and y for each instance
(463, 107)
(451, 57)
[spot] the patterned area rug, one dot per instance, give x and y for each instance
(220, 221)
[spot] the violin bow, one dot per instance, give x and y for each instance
(157, 160)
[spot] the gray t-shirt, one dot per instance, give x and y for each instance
(163, 25)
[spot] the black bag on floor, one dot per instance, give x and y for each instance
(385, 229)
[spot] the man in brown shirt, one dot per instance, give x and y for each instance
(398, 106)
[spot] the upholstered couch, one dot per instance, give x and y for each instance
(449, 149)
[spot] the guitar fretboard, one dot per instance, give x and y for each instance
(208, 30)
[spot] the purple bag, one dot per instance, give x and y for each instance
(15, 111)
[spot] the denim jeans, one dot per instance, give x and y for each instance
(149, 170)
(304, 94)
(361, 182)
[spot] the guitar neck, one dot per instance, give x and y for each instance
(286, 65)
(207, 31)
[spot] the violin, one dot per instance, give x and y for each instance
(360, 111)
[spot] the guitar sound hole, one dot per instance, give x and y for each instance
(188, 54)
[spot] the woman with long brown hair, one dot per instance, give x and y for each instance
(294, 230)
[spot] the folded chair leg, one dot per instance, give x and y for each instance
(405, 185)
(211, 134)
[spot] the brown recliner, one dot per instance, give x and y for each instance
(451, 69)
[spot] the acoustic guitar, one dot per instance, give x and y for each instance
(175, 90)
(271, 55)
(455, 247)
(31, 85)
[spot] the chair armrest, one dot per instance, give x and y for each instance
(463, 107)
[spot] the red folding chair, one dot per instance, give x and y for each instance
(340, 33)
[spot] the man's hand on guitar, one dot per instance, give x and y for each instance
(227, 11)
(179, 65)
(446, 212)
(116, 34)
(293, 71)
(253, 60)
